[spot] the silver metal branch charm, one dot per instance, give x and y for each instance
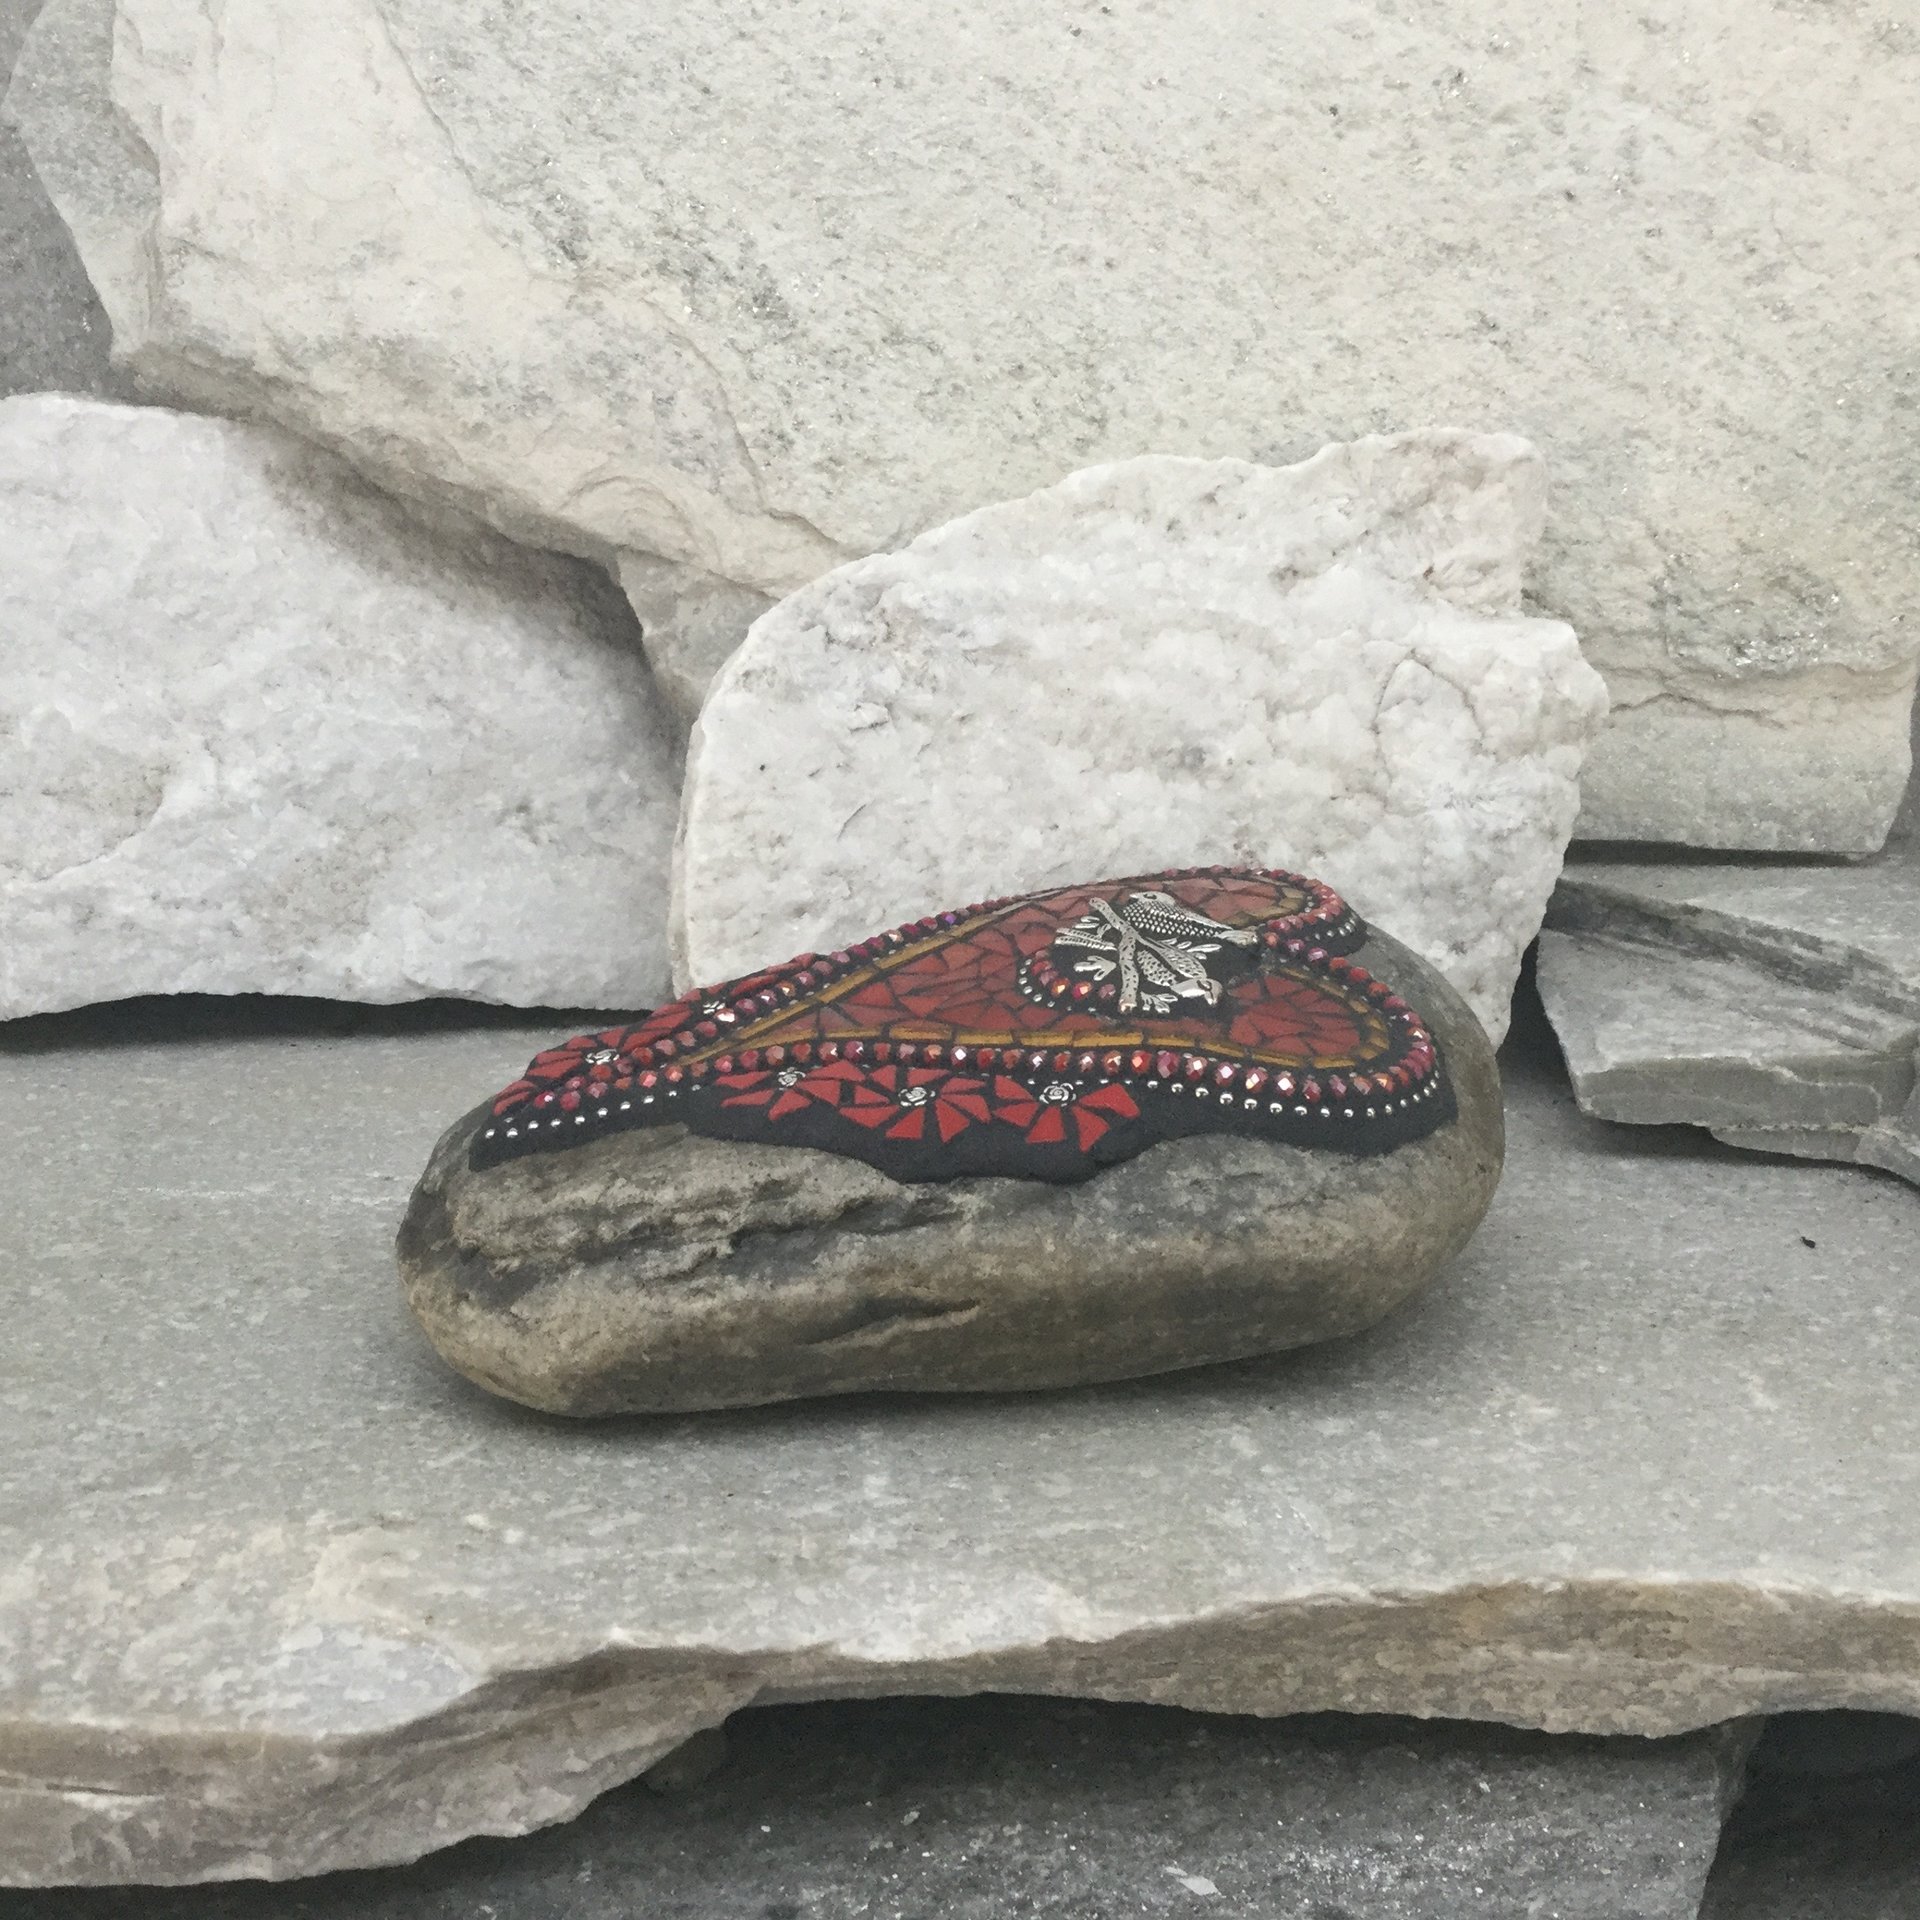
(1157, 948)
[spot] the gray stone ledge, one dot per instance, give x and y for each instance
(282, 1593)
(1776, 1004)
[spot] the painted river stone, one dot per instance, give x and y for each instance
(1038, 1037)
(1073, 1135)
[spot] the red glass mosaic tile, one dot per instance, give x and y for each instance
(1039, 1036)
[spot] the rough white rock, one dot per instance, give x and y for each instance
(757, 289)
(1159, 663)
(262, 730)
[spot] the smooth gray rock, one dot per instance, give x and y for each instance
(263, 730)
(758, 289)
(1160, 663)
(1776, 1005)
(1075, 1810)
(655, 1271)
(280, 1592)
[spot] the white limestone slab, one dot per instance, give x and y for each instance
(1159, 663)
(280, 1592)
(753, 291)
(263, 730)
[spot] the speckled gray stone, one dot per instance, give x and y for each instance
(1776, 1004)
(655, 1271)
(280, 1592)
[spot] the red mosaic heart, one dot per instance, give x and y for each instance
(1040, 1036)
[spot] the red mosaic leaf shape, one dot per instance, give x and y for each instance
(1039, 1036)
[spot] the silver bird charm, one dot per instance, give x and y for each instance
(1158, 948)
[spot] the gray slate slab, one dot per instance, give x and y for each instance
(981, 1809)
(1775, 1003)
(282, 1593)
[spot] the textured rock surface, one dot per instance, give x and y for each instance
(1777, 1005)
(281, 1592)
(502, 257)
(261, 731)
(1160, 663)
(656, 1271)
(981, 1809)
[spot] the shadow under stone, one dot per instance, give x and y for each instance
(160, 1018)
(1829, 1827)
(992, 1806)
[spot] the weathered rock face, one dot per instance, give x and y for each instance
(501, 257)
(1077, 1192)
(263, 731)
(1778, 1006)
(1153, 664)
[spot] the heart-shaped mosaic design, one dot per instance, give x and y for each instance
(1040, 1036)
